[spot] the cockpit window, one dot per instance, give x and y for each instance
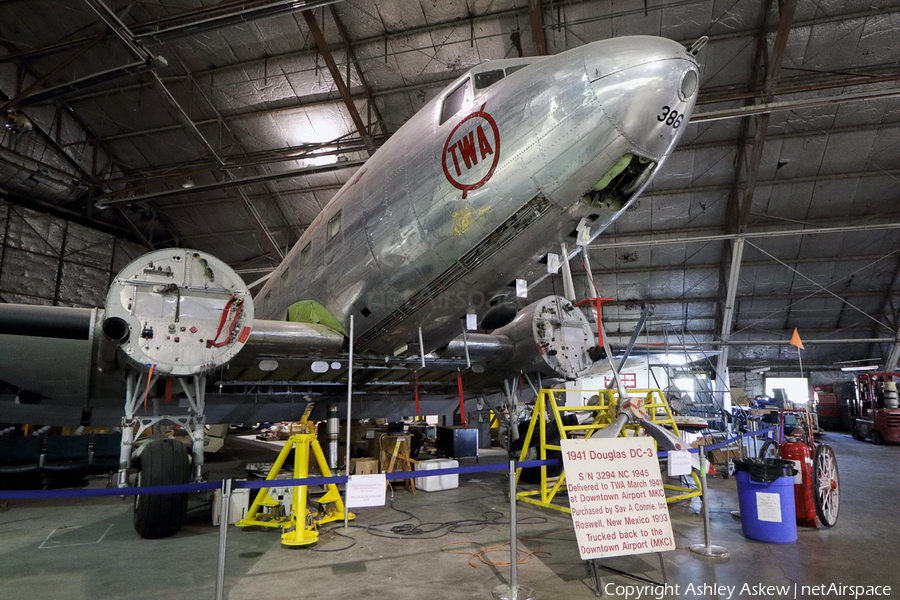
(454, 101)
(487, 78)
(511, 70)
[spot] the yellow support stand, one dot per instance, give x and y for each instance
(300, 527)
(604, 413)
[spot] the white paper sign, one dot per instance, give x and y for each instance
(768, 507)
(553, 263)
(617, 498)
(471, 321)
(584, 233)
(798, 478)
(366, 490)
(679, 463)
(521, 288)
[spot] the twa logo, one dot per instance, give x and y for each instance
(471, 152)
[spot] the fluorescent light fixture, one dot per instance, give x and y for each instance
(321, 161)
(864, 368)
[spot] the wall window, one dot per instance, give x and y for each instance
(488, 78)
(334, 225)
(306, 254)
(454, 101)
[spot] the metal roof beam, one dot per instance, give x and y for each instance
(253, 197)
(351, 54)
(338, 79)
(73, 216)
(134, 45)
(538, 33)
(738, 210)
(228, 183)
(191, 22)
(767, 108)
(678, 237)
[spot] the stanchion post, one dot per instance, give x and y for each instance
(513, 591)
(513, 535)
(224, 516)
(349, 404)
(706, 549)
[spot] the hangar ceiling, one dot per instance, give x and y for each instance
(226, 126)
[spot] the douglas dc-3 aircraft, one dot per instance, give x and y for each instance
(464, 200)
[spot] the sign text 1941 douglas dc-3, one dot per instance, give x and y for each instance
(617, 498)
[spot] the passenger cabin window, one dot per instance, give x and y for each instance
(488, 78)
(334, 226)
(282, 282)
(306, 254)
(454, 101)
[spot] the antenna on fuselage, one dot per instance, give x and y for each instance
(698, 45)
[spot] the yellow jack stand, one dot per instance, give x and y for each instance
(300, 527)
(655, 405)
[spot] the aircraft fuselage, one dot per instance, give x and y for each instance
(477, 187)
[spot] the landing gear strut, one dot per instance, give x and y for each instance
(162, 460)
(177, 314)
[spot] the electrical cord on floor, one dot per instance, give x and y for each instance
(434, 530)
(333, 531)
(402, 530)
(522, 556)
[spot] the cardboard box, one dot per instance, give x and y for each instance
(720, 456)
(363, 466)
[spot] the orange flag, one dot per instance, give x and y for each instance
(795, 340)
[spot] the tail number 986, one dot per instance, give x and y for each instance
(670, 117)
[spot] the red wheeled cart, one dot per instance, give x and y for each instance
(816, 485)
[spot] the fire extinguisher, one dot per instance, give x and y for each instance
(795, 449)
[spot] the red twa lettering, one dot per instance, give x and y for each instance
(483, 143)
(467, 148)
(461, 147)
(455, 160)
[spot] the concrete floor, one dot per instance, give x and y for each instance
(87, 548)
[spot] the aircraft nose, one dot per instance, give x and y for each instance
(646, 86)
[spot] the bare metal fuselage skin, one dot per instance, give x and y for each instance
(411, 216)
(450, 211)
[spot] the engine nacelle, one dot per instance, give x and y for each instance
(181, 311)
(551, 336)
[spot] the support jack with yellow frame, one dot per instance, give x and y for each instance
(300, 527)
(642, 409)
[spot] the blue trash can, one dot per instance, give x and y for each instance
(766, 496)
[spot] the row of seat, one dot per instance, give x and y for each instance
(59, 453)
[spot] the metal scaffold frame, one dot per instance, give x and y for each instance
(658, 412)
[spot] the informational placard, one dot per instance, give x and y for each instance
(768, 507)
(679, 463)
(366, 490)
(617, 498)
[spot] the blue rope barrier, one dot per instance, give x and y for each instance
(314, 481)
(664, 453)
(130, 491)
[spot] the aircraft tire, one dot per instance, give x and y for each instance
(163, 462)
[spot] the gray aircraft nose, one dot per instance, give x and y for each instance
(647, 87)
